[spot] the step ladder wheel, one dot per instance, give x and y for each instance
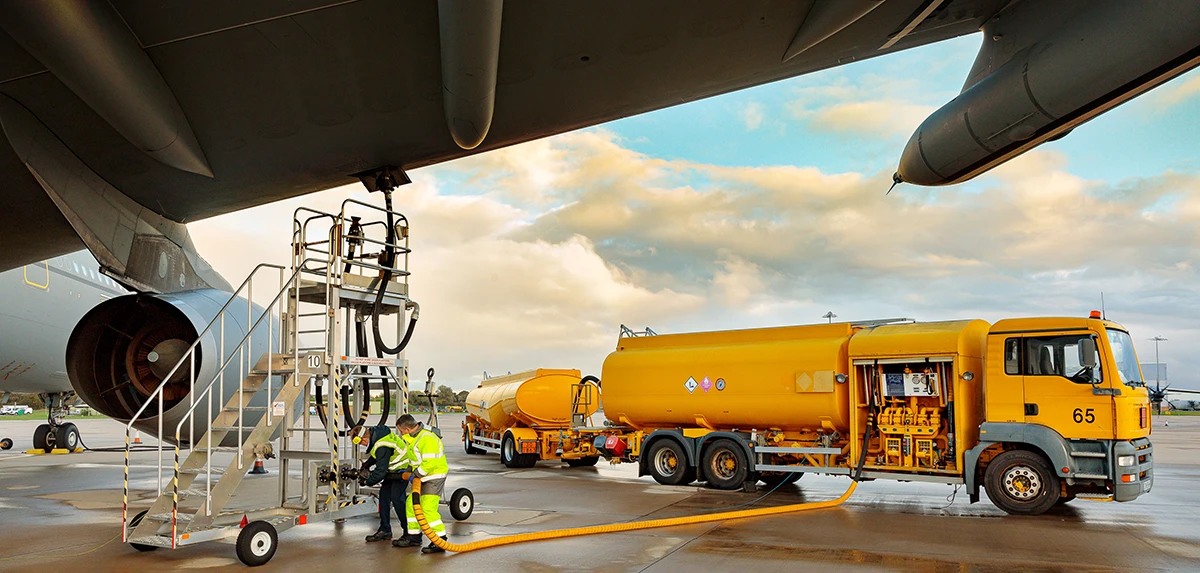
(6, 444)
(67, 436)
(133, 523)
(256, 543)
(462, 503)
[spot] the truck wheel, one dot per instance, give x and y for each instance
(256, 543)
(1021, 483)
(583, 462)
(725, 465)
(462, 503)
(668, 463)
(509, 456)
(780, 479)
(471, 450)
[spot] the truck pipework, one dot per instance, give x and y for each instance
(1036, 411)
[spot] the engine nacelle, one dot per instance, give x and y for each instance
(1045, 68)
(123, 350)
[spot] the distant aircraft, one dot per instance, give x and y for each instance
(39, 305)
(124, 120)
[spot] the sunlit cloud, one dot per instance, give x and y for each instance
(753, 115)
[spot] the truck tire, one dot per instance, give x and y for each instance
(725, 464)
(509, 456)
(471, 450)
(668, 465)
(583, 462)
(1020, 482)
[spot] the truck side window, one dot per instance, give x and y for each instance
(1012, 356)
(1058, 356)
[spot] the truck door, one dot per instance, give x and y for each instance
(1060, 392)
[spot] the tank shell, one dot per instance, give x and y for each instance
(782, 378)
(540, 398)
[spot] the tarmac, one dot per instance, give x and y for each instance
(64, 512)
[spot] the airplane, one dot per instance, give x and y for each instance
(124, 120)
(39, 304)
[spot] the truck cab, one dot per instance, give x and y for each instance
(1065, 412)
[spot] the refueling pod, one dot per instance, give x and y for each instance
(124, 349)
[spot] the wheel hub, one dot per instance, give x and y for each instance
(260, 544)
(1022, 483)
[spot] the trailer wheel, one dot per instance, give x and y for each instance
(668, 463)
(780, 479)
(509, 456)
(725, 465)
(1021, 483)
(583, 462)
(256, 543)
(462, 503)
(6, 444)
(133, 523)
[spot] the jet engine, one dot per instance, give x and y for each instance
(125, 348)
(1044, 68)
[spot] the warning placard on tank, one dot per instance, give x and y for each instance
(911, 384)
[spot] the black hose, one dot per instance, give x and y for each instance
(387, 261)
(862, 458)
(590, 378)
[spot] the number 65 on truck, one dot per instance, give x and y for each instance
(1036, 411)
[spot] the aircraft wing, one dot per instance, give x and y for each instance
(194, 109)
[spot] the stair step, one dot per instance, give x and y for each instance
(246, 409)
(201, 471)
(245, 429)
(155, 540)
(217, 449)
(166, 517)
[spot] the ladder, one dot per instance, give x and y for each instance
(294, 364)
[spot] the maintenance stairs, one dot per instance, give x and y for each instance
(293, 351)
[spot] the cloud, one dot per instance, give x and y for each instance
(752, 115)
(1178, 92)
(871, 118)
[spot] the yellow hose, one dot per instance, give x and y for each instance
(614, 527)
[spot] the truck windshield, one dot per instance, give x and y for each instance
(1126, 359)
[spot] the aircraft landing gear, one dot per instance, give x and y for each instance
(56, 434)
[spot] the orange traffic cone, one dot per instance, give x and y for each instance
(137, 437)
(258, 468)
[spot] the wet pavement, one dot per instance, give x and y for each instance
(64, 512)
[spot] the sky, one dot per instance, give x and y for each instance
(767, 207)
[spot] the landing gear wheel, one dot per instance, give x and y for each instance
(583, 462)
(725, 465)
(67, 436)
(133, 523)
(780, 479)
(44, 438)
(256, 543)
(1021, 483)
(668, 463)
(6, 444)
(462, 503)
(509, 456)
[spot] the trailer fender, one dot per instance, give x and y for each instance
(688, 444)
(523, 435)
(1035, 437)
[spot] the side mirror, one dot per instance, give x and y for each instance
(1087, 348)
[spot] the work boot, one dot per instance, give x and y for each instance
(431, 548)
(407, 541)
(379, 536)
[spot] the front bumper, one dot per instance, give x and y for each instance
(1131, 482)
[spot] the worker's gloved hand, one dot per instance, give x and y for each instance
(363, 474)
(407, 476)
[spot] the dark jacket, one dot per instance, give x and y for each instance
(379, 470)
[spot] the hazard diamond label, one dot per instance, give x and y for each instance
(706, 384)
(691, 384)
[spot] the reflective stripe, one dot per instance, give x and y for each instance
(432, 456)
(435, 523)
(432, 477)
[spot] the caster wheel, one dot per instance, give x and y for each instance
(462, 503)
(256, 543)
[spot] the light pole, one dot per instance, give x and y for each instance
(830, 316)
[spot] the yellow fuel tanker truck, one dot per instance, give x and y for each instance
(1036, 411)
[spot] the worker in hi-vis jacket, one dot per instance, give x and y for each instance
(427, 457)
(387, 465)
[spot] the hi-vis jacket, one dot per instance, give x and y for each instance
(427, 455)
(389, 454)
